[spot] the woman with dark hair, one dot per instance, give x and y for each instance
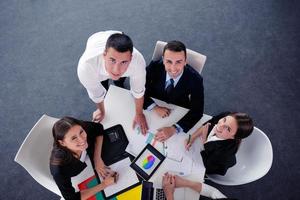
(221, 137)
(76, 144)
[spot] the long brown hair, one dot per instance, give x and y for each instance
(244, 123)
(61, 155)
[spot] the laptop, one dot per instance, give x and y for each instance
(151, 193)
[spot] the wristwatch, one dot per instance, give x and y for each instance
(177, 128)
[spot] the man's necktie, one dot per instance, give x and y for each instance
(170, 87)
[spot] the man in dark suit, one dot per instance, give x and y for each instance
(172, 80)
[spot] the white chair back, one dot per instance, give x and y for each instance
(194, 59)
(35, 152)
(254, 160)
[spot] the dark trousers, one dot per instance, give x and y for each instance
(119, 83)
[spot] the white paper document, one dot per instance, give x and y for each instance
(139, 141)
(127, 177)
(175, 148)
(182, 168)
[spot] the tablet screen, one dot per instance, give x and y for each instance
(147, 161)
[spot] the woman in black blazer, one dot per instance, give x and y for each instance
(73, 139)
(221, 137)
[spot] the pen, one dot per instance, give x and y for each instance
(115, 176)
(189, 140)
(164, 147)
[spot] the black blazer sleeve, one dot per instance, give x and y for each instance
(93, 130)
(218, 156)
(65, 186)
(150, 77)
(196, 103)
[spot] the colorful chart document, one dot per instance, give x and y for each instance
(140, 141)
(127, 177)
(89, 183)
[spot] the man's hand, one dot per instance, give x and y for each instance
(168, 183)
(162, 111)
(98, 115)
(164, 133)
(140, 120)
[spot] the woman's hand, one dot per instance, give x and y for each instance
(180, 182)
(201, 133)
(101, 168)
(188, 143)
(111, 179)
(168, 183)
(204, 132)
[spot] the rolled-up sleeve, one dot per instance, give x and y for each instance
(88, 78)
(138, 76)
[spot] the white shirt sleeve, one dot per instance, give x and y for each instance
(88, 77)
(138, 75)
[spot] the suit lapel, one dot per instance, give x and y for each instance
(162, 79)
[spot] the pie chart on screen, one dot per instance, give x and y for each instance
(148, 162)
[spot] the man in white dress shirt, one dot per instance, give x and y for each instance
(111, 55)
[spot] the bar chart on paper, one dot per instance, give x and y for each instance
(150, 137)
(139, 141)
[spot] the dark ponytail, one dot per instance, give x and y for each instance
(61, 155)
